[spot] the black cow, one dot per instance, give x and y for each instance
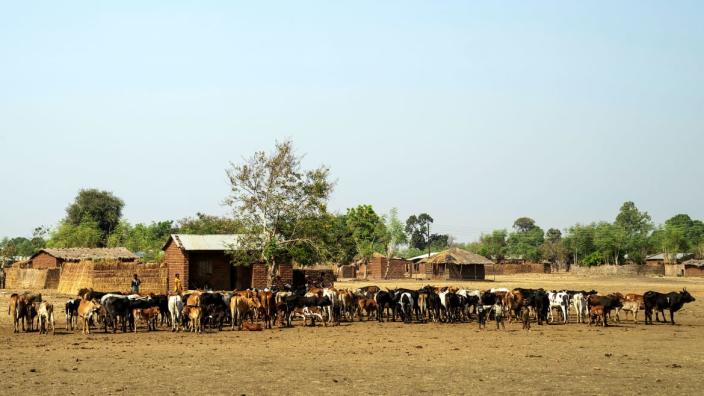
(300, 302)
(608, 303)
(672, 301)
(432, 303)
(116, 310)
(384, 302)
(71, 311)
(162, 301)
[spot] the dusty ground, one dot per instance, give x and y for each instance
(374, 358)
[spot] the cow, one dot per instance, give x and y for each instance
(384, 303)
(71, 311)
(632, 303)
(148, 315)
(597, 315)
(240, 308)
(175, 309)
(45, 313)
(307, 307)
(116, 310)
(561, 301)
(366, 305)
(193, 315)
(267, 307)
(608, 304)
(86, 310)
(659, 302)
(17, 309)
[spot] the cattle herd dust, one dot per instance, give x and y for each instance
(535, 334)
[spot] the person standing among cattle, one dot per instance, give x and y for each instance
(135, 284)
(499, 316)
(177, 284)
(525, 317)
(481, 316)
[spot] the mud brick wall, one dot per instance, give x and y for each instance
(31, 278)
(112, 276)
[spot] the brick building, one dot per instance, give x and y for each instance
(202, 262)
(55, 258)
(380, 267)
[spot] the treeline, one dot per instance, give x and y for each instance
(280, 211)
(94, 219)
(631, 237)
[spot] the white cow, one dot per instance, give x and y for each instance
(175, 309)
(561, 301)
(45, 315)
(334, 302)
(579, 303)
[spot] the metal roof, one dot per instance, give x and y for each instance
(661, 256)
(422, 256)
(205, 242)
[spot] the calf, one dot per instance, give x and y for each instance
(597, 315)
(86, 310)
(660, 302)
(45, 313)
(193, 315)
(366, 305)
(607, 303)
(148, 315)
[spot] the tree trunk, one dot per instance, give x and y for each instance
(272, 270)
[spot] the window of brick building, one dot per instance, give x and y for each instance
(205, 268)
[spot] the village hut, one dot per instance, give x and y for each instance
(55, 258)
(456, 264)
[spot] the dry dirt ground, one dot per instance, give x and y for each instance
(373, 358)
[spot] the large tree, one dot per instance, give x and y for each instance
(93, 205)
(368, 231)
(526, 240)
(636, 226)
(273, 197)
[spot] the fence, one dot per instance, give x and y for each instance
(112, 276)
(30, 278)
(624, 270)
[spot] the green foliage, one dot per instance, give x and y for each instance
(275, 201)
(594, 258)
(524, 224)
(637, 226)
(610, 240)
(395, 234)
(526, 240)
(147, 239)
(204, 224)
(68, 235)
(368, 231)
(99, 207)
(492, 245)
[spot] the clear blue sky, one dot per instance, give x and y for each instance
(475, 112)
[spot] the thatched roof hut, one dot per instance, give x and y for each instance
(456, 263)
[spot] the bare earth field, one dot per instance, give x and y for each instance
(373, 358)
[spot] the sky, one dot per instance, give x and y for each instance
(474, 112)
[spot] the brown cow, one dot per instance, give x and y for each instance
(240, 308)
(597, 316)
(86, 310)
(368, 305)
(194, 315)
(267, 308)
(17, 309)
(149, 315)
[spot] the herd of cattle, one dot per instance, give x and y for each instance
(197, 310)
